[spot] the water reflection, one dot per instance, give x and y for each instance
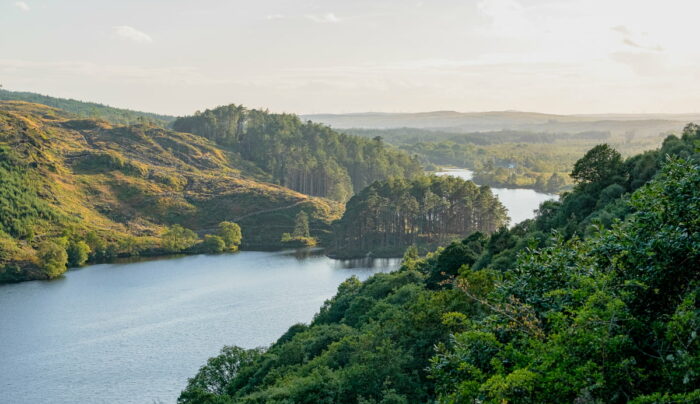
(521, 203)
(302, 254)
(368, 262)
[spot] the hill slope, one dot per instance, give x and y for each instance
(117, 188)
(304, 156)
(87, 109)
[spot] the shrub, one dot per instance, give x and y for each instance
(230, 233)
(53, 258)
(178, 238)
(212, 244)
(78, 253)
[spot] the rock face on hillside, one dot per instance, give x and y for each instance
(69, 178)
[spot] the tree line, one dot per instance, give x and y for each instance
(304, 156)
(393, 214)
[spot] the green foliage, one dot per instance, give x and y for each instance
(88, 109)
(53, 257)
(214, 377)
(78, 253)
(301, 236)
(513, 158)
(211, 245)
(177, 239)
(592, 204)
(370, 343)
(304, 156)
(231, 234)
(527, 315)
(601, 163)
(21, 207)
(612, 318)
(394, 214)
(301, 225)
(108, 161)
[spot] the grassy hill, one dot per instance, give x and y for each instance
(69, 180)
(88, 109)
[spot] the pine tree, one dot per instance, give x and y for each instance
(301, 225)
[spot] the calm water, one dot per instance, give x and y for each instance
(134, 333)
(521, 203)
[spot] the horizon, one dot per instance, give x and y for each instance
(603, 114)
(564, 57)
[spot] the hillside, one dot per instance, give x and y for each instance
(118, 189)
(304, 156)
(119, 116)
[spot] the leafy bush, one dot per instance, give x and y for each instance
(231, 235)
(211, 245)
(177, 239)
(53, 258)
(78, 253)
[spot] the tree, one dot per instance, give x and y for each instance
(554, 183)
(78, 253)
(212, 244)
(601, 163)
(178, 238)
(215, 376)
(53, 258)
(301, 225)
(231, 234)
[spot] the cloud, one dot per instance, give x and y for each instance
(131, 34)
(621, 29)
(636, 41)
(22, 6)
(275, 17)
(324, 19)
(634, 44)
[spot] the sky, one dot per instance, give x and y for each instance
(340, 56)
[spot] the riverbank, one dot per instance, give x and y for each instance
(16, 274)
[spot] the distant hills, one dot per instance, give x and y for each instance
(461, 122)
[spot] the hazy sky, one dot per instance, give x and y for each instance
(306, 56)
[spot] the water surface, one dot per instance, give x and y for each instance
(134, 332)
(521, 203)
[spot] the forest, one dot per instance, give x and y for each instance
(595, 300)
(307, 157)
(389, 216)
(511, 158)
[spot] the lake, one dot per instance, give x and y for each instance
(521, 203)
(134, 332)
